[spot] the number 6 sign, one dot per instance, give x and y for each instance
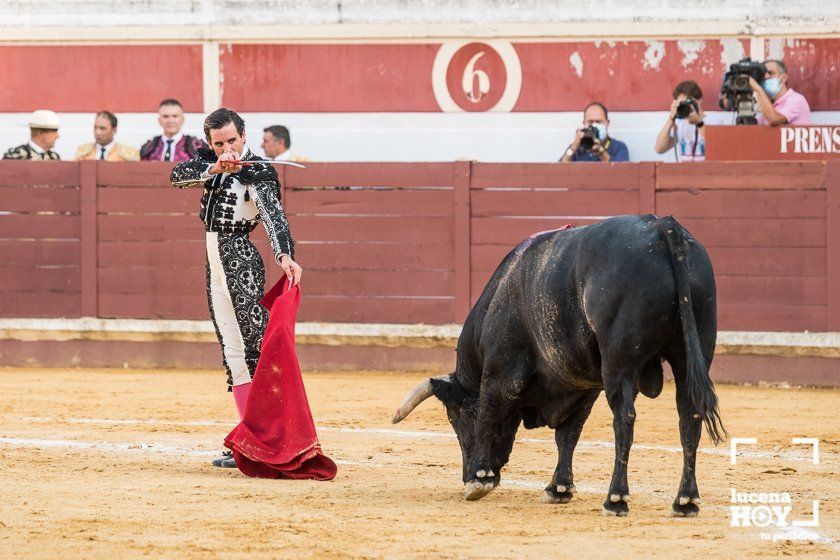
(476, 76)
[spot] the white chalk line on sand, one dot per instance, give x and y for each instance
(804, 456)
(794, 533)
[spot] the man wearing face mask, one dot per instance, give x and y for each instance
(779, 104)
(604, 148)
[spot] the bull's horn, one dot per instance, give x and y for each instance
(414, 398)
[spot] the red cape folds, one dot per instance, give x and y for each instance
(277, 438)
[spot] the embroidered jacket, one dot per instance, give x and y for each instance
(186, 148)
(233, 203)
(117, 152)
(25, 151)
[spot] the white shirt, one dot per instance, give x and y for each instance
(175, 139)
(285, 156)
(99, 148)
(38, 149)
(684, 138)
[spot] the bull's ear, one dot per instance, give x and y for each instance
(449, 390)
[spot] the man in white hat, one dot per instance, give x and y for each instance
(43, 133)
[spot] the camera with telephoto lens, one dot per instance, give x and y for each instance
(736, 93)
(685, 106)
(590, 134)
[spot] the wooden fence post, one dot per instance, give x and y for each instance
(832, 246)
(88, 238)
(462, 217)
(647, 187)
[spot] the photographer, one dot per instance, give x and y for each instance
(684, 130)
(778, 103)
(593, 142)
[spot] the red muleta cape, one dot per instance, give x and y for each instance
(276, 438)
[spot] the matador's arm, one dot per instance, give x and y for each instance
(192, 173)
(264, 189)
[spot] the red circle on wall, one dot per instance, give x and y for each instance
(476, 77)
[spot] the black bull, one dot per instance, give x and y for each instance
(568, 314)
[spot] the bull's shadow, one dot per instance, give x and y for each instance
(567, 314)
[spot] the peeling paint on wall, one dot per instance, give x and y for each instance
(775, 48)
(811, 64)
(577, 63)
(556, 76)
(690, 51)
(733, 51)
(654, 54)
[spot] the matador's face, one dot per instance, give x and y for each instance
(227, 139)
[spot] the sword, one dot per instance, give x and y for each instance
(250, 161)
(188, 182)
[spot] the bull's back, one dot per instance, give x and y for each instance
(565, 293)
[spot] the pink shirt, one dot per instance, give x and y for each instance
(793, 106)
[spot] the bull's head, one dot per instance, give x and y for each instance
(461, 407)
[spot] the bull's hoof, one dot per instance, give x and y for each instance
(481, 485)
(559, 494)
(617, 505)
(686, 506)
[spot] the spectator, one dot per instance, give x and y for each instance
(43, 134)
(277, 144)
(778, 103)
(603, 147)
(104, 129)
(684, 133)
(172, 145)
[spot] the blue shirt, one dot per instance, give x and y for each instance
(616, 148)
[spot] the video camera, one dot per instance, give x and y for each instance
(736, 93)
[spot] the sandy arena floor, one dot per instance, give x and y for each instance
(107, 464)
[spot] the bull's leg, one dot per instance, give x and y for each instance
(687, 501)
(497, 420)
(562, 486)
(621, 390)
(496, 425)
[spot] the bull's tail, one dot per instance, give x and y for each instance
(701, 390)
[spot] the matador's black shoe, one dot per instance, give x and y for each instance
(226, 461)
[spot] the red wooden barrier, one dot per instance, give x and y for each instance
(764, 225)
(39, 240)
(512, 201)
(150, 250)
(832, 249)
(412, 243)
(376, 241)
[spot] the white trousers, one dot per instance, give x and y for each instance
(235, 277)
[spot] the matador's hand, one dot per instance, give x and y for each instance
(292, 269)
(223, 164)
